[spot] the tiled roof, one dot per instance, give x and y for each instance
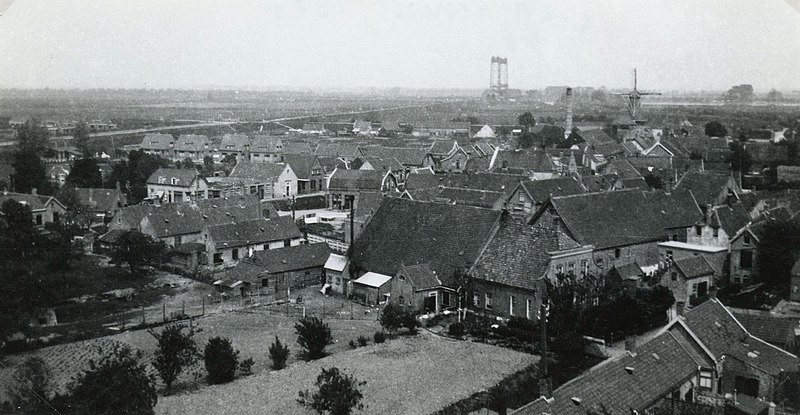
(296, 147)
(480, 181)
(518, 254)
(609, 219)
(771, 328)
(441, 148)
(184, 176)
(541, 190)
(100, 199)
(472, 197)
(357, 179)
(719, 330)
(234, 142)
(406, 156)
(622, 168)
(275, 261)
(382, 164)
(405, 232)
(302, 164)
(629, 271)
(267, 144)
(368, 204)
(185, 218)
(599, 182)
(34, 201)
(253, 232)
(261, 172)
(706, 187)
(338, 149)
(524, 160)
(731, 218)
(157, 142)
(191, 142)
(694, 266)
(658, 367)
(596, 136)
(422, 276)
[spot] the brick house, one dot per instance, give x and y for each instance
(507, 280)
(623, 226)
(176, 185)
(44, 209)
(530, 195)
(309, 172)
(162, 145)
(237, 145)
(228, 243)
(371, 288)
(267, 180)
(192, 146)
(345, 186)
(101, 204)
(690, 279)
(744, 267)
(715, 189)
(264, 148)
(447, 156)
(420, 289)
(337, 276)
(278, 272)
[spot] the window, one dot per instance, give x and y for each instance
(511, 305)
(617, 253)
(287, 242)
(487, 301)
(559, 269)
(705, 379)
(698, 230)
(585, 267)
(266, 247)
(446, 298)
(38, 219)
(235, 253)
(694, 290)
(669, 255)
(674, 276)
(400, 300)
(716, 232)
(174, 181)
(529, 308)
(746, 259)
(747, 238)
(476, 300)
(218, 258)
(571, 268)
(264, 283)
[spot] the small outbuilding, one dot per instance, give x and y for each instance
(372, 288)
(336, 274)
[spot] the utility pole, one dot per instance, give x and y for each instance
(545, 386)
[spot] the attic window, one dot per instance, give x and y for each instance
(174, 181)
(746, 238)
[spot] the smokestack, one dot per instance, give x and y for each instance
(568, 128)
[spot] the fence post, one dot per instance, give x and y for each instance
(164, 312)
(351, 310)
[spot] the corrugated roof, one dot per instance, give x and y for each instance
(336, 262)
(373, 279)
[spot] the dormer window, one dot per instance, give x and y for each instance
(747, 238)
(174, 181)
(162, 179)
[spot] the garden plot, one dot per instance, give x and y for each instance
(408, 375)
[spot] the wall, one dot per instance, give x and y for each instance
(501, 298)
(371, 295)
(279, 282)
(737, 274)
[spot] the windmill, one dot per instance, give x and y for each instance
(633, 99)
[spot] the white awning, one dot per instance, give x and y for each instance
(336, 262)
(373, 279)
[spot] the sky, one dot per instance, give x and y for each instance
(675, 44)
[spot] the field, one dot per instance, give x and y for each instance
(409, 375)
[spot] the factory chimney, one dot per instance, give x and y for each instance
(568, 126)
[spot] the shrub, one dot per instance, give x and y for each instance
(353, 344)
(33, 373)
(379, 337)
(410, 322)
(221, 360)
(313, 335)
(337, 393)
(176, 351)
(456, 329)
(279, 353)
(363, 340)
(392, 317)
(246, 367)
(118, 384)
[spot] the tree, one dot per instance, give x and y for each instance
(32, 137)
(551, 135)
(188, 164)
(118, 384)
(176, 351)
(137, 250)
(739, 158)
(69, 197)
(279, 354)
(392, 317)
(85, 173)
(774, 95)
(29, 173)
(654, 181)
(133, 174)
(313, 335)
(18, 229)
(526, 120)
(778, 250)
(32, 387)
(221, 360)
(739, 93)
(337, 393)
(59, 247)
(81, 137)
(715, 129)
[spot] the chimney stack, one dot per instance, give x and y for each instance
(708, 214)
(568, 127)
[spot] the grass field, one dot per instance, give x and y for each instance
(408, 375)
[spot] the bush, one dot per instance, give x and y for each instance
(379, 337)
(33, 373)
(313, 335)
(279, 354)
(221, 360)
(410, 322)
(118, 384)
(337, 393)
(392, 317)
(176, 351)
(246, 367)
(456, 329)
(363, 340)
(353, 344)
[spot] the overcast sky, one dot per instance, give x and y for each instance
(675, 44)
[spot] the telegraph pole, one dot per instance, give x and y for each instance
(545, 386)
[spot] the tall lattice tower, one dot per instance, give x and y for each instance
(498, 75)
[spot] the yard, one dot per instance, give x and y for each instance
(408, 375)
